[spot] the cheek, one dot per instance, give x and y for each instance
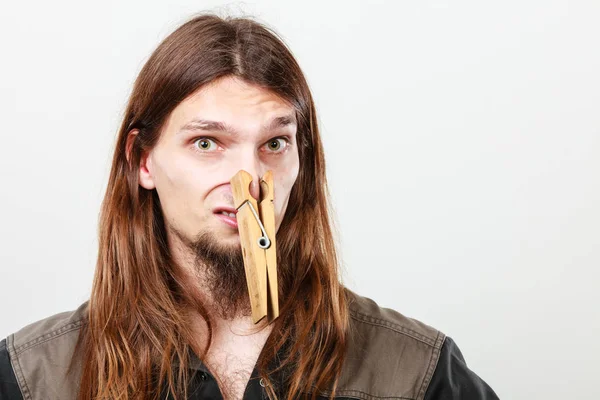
(283, 186)
(181, 185)
(172, 176)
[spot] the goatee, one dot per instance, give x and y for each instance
(221, 269)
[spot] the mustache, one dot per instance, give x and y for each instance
(226, 200)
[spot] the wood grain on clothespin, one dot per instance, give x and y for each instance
(258, 247)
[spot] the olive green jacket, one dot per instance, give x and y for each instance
(390, 356)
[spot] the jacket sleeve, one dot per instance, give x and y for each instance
(9, 388)
(453, 380)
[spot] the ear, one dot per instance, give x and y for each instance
(145, 178)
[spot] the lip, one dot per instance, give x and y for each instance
(226, 209)
(232, 222)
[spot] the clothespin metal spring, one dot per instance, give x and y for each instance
(263, 242)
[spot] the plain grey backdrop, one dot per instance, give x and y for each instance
(463, 149)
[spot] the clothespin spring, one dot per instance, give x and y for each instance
(263, 241)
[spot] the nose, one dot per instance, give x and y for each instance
(249, 161)
(255, 186)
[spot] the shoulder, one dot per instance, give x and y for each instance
(389, 354)
(454, 380)
(366, 314)
(394, 356)
(39, 355)
(47, 330)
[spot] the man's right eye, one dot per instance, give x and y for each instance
(205, 144)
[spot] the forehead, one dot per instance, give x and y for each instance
(236, 103)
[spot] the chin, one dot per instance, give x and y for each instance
(229, 237)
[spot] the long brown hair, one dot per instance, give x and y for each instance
(138, 340)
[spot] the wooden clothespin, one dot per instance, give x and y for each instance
(256, 225)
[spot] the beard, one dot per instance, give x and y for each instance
(220, 271)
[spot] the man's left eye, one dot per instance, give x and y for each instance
(205, 144)
(276, 145)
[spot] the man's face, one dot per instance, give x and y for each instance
(224, 127)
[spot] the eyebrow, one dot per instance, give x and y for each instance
(199, 124)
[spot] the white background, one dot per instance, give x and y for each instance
(462, 139)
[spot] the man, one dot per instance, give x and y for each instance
(169, 313)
